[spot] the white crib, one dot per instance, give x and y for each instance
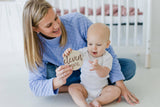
(129, 32)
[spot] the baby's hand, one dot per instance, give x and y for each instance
(95, 65)
(102, 71)
(67, 52)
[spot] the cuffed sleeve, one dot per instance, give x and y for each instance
(39, 85)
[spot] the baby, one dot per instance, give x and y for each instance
(97, 63)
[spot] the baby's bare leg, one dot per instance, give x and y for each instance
(108, 94)
(79, 94)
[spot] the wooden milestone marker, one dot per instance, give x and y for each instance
(74, 59)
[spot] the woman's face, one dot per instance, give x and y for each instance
(50, 25)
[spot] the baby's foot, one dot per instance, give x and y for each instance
(95, 103)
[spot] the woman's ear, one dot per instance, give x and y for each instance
(35, 29)
(108, 43)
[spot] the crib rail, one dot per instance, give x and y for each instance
(125, 23)
(111, 19)
(127, 33)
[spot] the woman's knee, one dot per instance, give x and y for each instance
(128, 68)
(131, 69)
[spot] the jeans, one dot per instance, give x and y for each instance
(128, 68)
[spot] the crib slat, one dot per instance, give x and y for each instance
(102, 11)
(119, 21)
(148, 35)
(144, 22)
(86, 8)
(70, 6)
(127, 22)
(78, 6)
(94, 11)
(111, 21)
(145, 11)
(135, 23)
(61, 7)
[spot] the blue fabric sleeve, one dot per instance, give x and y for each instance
(84, 24)
(115, 73)
(38, 83)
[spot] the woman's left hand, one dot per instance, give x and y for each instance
(129, 97)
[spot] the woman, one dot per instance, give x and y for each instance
(46, 37)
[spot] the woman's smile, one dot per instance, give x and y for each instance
(57, 31)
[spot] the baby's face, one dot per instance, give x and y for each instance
(96, 44)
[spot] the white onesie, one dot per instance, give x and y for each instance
(90, 79)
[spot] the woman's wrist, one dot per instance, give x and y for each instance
(56, 84)
(120, 84)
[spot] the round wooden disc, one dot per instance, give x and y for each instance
(74, 59)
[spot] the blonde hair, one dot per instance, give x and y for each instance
(33, 12)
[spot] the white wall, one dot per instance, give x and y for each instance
(11, 38)
(155, 27)
(155, 32)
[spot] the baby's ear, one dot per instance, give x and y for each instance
(108, 43)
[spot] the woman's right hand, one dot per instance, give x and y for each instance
(62, 73)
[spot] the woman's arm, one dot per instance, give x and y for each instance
(41, 86)
(115, 73)
(84, 24)
(117, 76)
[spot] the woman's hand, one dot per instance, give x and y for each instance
(67, 52)
(62, 73)
(129, 97)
